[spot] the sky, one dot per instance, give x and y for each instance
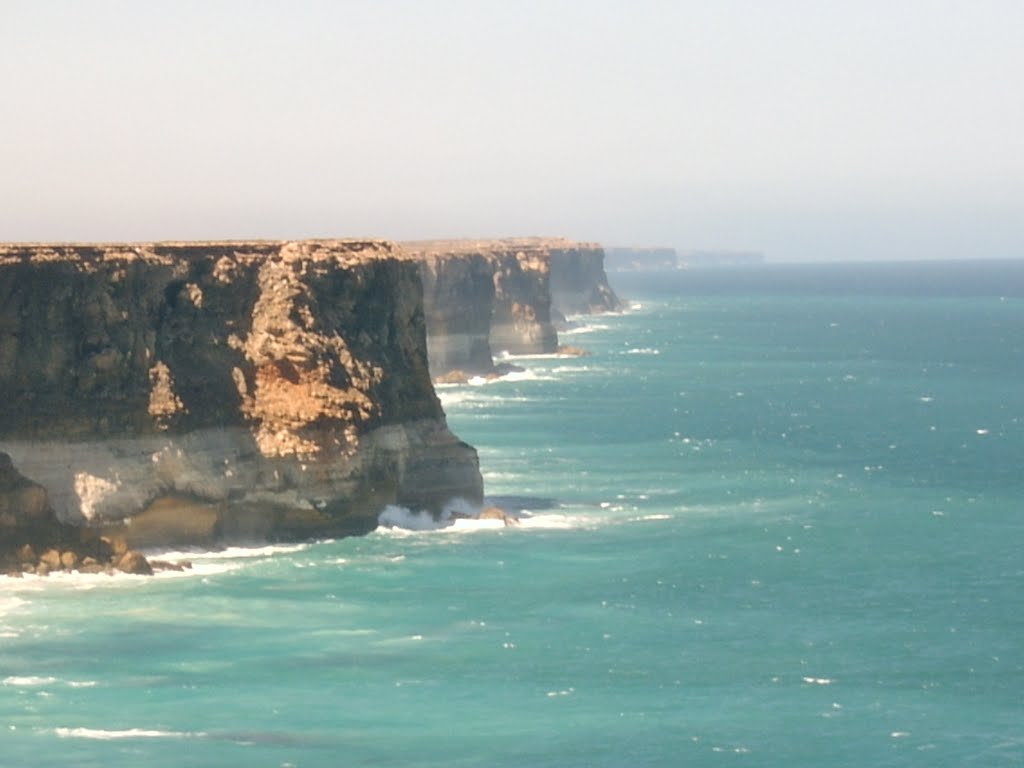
(804, 129)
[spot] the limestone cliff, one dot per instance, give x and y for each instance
(458, 302)
(579, 284)
(195, 392)
(484, 296)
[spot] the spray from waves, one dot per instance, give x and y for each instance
(460, 517)
(457, 514)
(10, 603)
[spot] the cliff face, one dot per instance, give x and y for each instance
(579, 284)
(521, 323)
(458, 301)
(195, 392)
(482, 297)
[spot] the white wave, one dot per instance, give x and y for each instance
(203, 563)
(394, 516)
(227, 553)
(471, 525)
(34, 681)
(506, 356)
(101, 734)
(9, 604)
(490, 474)
(526, 375)
(458, 516)
(643, 351)
(453, 395)
(818, 680)
(556, 522)
(586, 328)
(29, 680)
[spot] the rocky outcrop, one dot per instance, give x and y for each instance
(33, 540)
(579, 284)
(190, 393)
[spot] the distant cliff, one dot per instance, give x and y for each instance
(458, 302)
(483, 297)
(486, 296)
(625, 258)
(579, 284)
(189, 393)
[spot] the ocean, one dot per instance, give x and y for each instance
(774, 518)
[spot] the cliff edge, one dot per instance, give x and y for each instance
(192, 393)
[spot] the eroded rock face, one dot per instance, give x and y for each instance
(458, 302)
(483, 297)
(579, 284)
(198, 392)
(521, 323)
(32, 540)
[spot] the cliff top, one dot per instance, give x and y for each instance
(349, 252)
(464, 246)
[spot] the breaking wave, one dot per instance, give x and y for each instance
(459, 516)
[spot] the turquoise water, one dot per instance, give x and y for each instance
(774, 519)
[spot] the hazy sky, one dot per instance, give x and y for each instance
(807, 129)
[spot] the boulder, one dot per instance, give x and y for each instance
(135, 563)
(69, 560)
(457, 376)
(571, 351)
(497, 513)
(51, 559)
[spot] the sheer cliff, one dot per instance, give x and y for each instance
(579, 284)
(198, 392)
(483, 297)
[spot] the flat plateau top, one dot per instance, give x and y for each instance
(347, 250)
(496, 244)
